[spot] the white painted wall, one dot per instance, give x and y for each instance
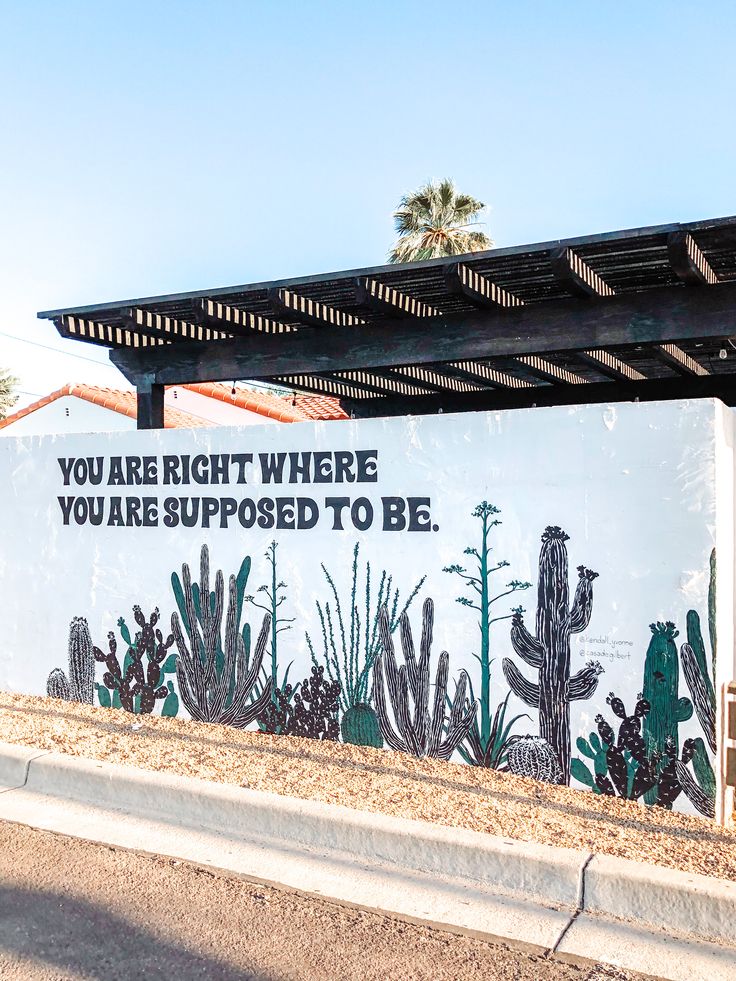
(644, 491)
(68, 414)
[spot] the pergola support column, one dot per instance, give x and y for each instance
(150, 397)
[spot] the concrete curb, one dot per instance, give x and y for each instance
(519, 870)
(14, 764)
(535, 895)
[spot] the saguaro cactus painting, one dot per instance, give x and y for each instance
(549, 650)
(79, 685)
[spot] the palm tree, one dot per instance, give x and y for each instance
(7, 396)
(436, 220)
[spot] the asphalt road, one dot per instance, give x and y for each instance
(78, 911)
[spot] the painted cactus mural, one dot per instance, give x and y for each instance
(79, 685)
(622, 767)
(661, 690)
(351, 640)
(137, 688)
(487, 741)
(532, 756)
(217, 676)
(549, 650)
(275, 596)
(699, 671)
(420, 731)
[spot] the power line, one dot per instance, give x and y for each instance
(46, 347)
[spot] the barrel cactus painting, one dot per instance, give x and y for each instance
(360, 726)
(532, 756)
(549, 650)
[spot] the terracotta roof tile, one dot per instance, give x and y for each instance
(284, 408)
(320, 407)
(119, 400)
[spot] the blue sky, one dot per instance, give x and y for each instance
(153, 147)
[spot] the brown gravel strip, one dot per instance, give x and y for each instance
(78, 911)
(375, 780)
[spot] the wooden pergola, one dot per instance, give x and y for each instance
(642, 314)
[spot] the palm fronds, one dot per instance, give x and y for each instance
(437, 220)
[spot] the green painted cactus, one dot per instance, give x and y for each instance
(360, 726)
(595, 750)
(697, 675)
(660, 689)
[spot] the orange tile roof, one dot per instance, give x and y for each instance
(320, 407)
(284, 408)
(298, 408)
(119, 400)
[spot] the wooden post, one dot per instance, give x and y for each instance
(150, 405)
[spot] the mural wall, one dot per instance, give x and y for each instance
(546, 591)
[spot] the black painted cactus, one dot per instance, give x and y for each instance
(421, 732)
(549, 650)
(315, 707)
(138, 687)
(79, 686)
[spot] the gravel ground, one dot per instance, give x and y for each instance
(78, 911)
(375, 780)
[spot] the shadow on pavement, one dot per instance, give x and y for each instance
(70, 935)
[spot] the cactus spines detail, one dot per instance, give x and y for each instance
(549, 650)
(421, 732)
(79, 685)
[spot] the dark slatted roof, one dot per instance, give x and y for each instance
(557, 321)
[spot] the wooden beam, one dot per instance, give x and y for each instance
(486, 373)
(651, 390)
(236, 321)
(680, 360)
(550, 371)
(608, 364)
(575, 275)
(383, 383)
(108, 335)
(661, 316)
(688, 260)
(159, 325)
(310, 311)
(325, 385)
(150, 399)
(464, 281)
(387, 300)
(437, 379)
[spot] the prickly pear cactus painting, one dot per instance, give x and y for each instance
(549, 650)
